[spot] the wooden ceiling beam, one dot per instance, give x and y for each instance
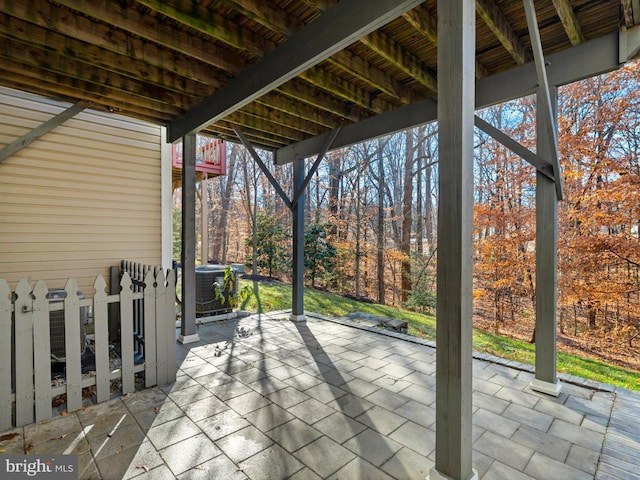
(162, 33)
(401, 58)
(365, 72)
(569, 21)
(50, 64)
(90, 32)
(70, 89)
(499, 25)
(212, 24)
(423, 22)
(275, 19)
(279, 21)
(98, 57)
(278, 117)
(282, 103)
(328, 81)
(131, 46)
(257, 138)
(344, 89)
(391, 51)
(317, 41)
(265, 125)
(300, 90)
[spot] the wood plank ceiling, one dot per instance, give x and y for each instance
(155, 59)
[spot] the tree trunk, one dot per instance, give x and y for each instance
(252, 208)
(428, 208)
(380, 240)
(419, 200)
(405, 241)
(220, 235)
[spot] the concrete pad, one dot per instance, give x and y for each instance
(500, 471)
(415, 437)
(350, 405)
(381, 420)
(272, 463)
(406, 463)
(287, 397)
(315, 456)
(294, 435)
(499, 448)
(153, 414)
(325, 392)
(359, 468)
(542, 467)
(146, 457)
(188, 453)
(268, 417)
(244, 443)
(116, 441)
(37, 433)
(339, 427)
(204, 408)
(172, 432)
(542, 442)
(419, 413)
(311, 410)
(222, 424)
(373, 447)
(247, 402)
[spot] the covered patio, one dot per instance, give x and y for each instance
(299, 78)
(265, 398)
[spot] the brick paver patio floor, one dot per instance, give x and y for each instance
(264, 398)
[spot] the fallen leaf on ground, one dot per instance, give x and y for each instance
(8, 436)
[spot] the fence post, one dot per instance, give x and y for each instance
(24, 353)
(6, 362)
(126, 334)
(161, 330)
(41, 352)
(170, 325)
(101, 345)
(149, 329)
(72, 346)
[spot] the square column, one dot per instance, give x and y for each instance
(188, 257)
(297, 261)
(546, 380)
(456, 98)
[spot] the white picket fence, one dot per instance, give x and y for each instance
(25, 352)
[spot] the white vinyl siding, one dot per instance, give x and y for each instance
(79, 199)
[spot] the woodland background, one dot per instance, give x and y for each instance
(371, 213)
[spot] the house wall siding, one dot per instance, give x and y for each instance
(80, 198)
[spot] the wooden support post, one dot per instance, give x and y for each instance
(545, 380)
(188, 326)
(204, 231)
(456, 90)
(297, 307)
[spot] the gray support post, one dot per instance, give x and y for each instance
(456, 87)
(545, 380)
(188, 323)
(297, 307)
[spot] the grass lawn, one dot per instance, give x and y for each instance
(269, 296)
